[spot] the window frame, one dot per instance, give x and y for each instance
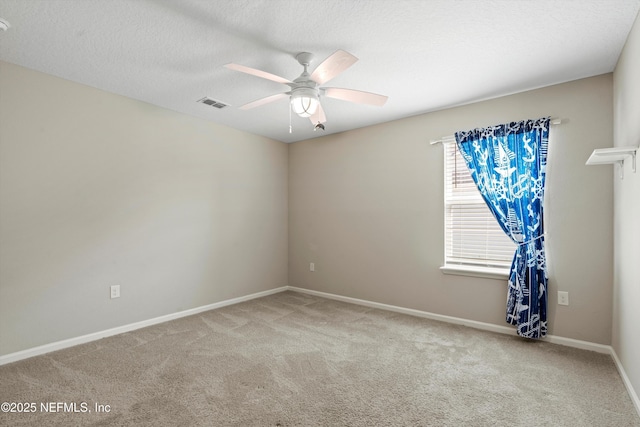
(463, 265)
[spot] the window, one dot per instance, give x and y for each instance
(474, 242)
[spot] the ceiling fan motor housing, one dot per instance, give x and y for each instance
(304, 91)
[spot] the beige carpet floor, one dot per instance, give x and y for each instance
(292, 359)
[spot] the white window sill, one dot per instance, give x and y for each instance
(485, 272)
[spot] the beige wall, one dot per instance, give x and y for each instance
(626, 296)
(366, 206)
(98, 189)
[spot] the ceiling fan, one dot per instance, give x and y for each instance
(306, 90)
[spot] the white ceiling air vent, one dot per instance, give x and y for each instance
(213, 103)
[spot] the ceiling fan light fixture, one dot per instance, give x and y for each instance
(304, 102)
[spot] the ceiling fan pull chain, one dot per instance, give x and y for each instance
(290, 130)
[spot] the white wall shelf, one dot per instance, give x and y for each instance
(615, 155)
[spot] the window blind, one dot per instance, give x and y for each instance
(472, 235)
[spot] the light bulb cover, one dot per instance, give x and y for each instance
(304, 102)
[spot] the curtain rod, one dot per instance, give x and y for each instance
(451, 138)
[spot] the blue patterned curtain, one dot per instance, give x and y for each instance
(508, 164)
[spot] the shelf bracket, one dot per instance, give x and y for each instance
(616, 155)
(621, 166)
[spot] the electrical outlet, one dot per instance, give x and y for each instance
(563, 298)
(115, 291)
(312, 266)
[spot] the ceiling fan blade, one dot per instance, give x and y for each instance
(357, 96)
(263, 101)
(332, 66)
(318, 116)
(258, 73)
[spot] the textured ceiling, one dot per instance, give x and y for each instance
(425, 55)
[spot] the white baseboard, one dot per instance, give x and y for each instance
(626, 381)
(59, 345)
(409, 311)
(569, 342)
